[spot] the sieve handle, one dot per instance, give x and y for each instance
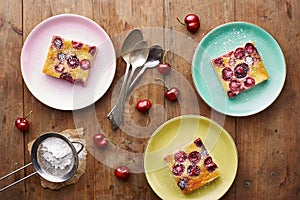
(18, 181)
(81, 146)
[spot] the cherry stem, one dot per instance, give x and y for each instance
(147, 122)
(110, 141)
(159, 79)
(28, 115)
(180, 21)
(164, 56)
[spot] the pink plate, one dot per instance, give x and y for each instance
(57, 93)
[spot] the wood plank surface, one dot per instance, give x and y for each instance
(267, 142)
(12, 102)
(271, 150)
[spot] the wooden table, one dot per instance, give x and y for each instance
(267, 142)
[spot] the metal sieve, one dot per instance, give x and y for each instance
(46, 169)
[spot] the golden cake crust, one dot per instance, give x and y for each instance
(192, 166)
(69, 60)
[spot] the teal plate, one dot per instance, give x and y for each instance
(223, 39)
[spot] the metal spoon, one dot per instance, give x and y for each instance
(133, 37)
(154, 58)
(138, 57)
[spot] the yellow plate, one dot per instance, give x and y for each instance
(178, 132)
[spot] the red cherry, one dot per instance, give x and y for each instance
(231, 94)
(241, 70)
(143, 106)
(85, 64)
(193, 170)
(191, 18)
(122, 172)
(218, 61)
(183, 183)
(192, 22)
(178, 169)
(208, 160)
(249, 48)
(57, 42)
(66, 76)
(100, 140)
(73, 61)
(194, 157)
(172, 94)
(98, 136)
(77, 45)
(164, 68)
(235, 85)
(59, 67)
(249, 82)
(193, 27)
(102, 144)
(209, 164)
(198, 142)
(180, 156)
(227, 74)
(239, 53)
(212, 167)
(92, 50)
(22, 123)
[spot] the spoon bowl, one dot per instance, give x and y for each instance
(154, 58)
(155, 54)
(130, 41)
(138, 57)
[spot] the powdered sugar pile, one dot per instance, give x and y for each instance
(57, 152)
(55, 156)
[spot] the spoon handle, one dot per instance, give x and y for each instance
(130, 88)
(115, 116)
(141, 72)
(129, 81)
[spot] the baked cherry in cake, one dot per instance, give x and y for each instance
(240, 69)
(192, 167)
(69, 60)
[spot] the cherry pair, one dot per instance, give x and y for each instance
(192, 22)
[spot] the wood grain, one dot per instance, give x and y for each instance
(267, 142)
(11, 94)
(267, 146)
